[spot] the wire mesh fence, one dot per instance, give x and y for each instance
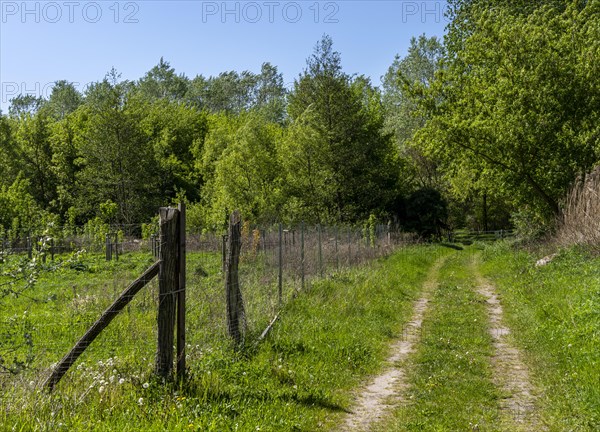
(48, 299)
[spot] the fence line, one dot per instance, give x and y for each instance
(274, 263)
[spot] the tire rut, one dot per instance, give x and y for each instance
(511, 375)
(386, 390)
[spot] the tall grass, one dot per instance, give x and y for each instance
(327, 340)
(580, 220)
(553, 313)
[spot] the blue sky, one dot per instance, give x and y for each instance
(80, 41)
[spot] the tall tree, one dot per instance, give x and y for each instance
(161, 82)
(342, 119)
(516, 108)
(63, 100)
(404, 84)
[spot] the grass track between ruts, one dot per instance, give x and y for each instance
(328, 340)
(554, 314)
(449, 375)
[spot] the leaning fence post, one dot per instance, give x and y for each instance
(235, 305)
(168, 281)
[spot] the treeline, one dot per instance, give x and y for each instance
(484, 130)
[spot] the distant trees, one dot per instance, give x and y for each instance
(498, 119)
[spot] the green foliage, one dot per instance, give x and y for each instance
(19, 213)
(505, 120)
(341, 165)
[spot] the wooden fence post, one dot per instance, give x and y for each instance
(168, 281)
(235, 305)
(181, 295)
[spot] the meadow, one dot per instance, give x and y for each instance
(327, 340)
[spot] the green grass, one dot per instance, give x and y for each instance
(554, 312)
(327, 341)
(449, 375)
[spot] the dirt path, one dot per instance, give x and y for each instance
(385, 391)
(510, 373)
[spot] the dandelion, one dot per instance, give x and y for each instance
(145, 385)
(141, 401)
(121, 381)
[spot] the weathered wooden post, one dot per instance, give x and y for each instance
(168, 283)
(117, 246)
(235, 305)
(181, 295)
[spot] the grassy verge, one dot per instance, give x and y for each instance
(449, 375)
(325, 343)
(554, 312)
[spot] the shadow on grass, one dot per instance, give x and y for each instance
(314, 401)
(452, 246)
